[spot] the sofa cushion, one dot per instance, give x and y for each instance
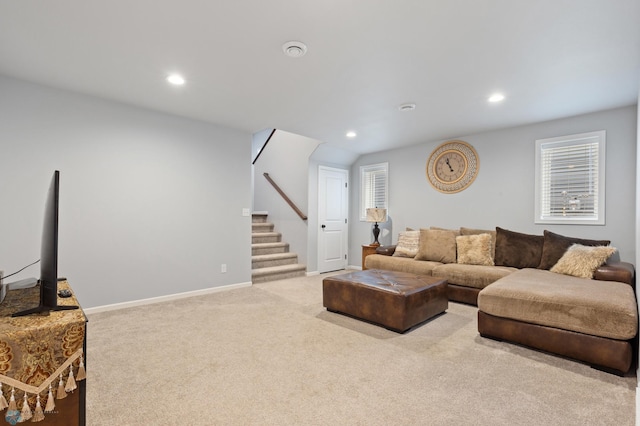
(555, 245)
(407, 244)
(474, 249)
(518, 250)
(437, 245)
(582, 261)
(473, 231)
(600, 308)
(400, 264)
(476, 276)
(437, 228)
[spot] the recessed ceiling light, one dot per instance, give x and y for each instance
(496, 97)
(407, 107)
(176, 79)
(351, 134)
(294, 49)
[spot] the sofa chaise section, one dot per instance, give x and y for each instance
(589, 320)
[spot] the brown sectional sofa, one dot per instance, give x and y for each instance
(592, 320)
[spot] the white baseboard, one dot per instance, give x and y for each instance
(356, 267)
(637, 406)
(348, 268)
(152, 300)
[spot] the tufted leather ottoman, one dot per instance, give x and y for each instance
(395, 300)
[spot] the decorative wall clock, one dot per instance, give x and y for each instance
(452, 166)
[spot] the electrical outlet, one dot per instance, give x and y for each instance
(246, 212)
(223, 268)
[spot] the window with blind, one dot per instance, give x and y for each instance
(373, 187)
(570, 179)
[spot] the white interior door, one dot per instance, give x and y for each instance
(333, 202)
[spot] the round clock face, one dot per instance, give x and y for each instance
(452, 166)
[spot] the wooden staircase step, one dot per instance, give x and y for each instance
(266, 237)
(269, 248)
(259, 217)
(277, 273)
(261, 227)
(276, 259)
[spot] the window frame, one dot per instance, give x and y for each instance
(598, 216)
(365, 172)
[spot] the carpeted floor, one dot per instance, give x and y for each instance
(271, 354)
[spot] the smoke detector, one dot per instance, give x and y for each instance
(294, 49)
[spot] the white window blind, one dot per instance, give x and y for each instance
(570, 179)
(373, 187)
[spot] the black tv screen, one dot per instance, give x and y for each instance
(49, 254)
(49, 245)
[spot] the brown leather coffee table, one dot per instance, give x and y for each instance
(395, 300)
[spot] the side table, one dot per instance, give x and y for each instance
(366, 251)
(42, 360)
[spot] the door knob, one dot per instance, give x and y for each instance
(324, 226)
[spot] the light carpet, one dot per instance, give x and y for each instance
(270, 354)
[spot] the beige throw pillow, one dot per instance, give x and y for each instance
(437, 245)
(407, 244)
(473, 231)
(475, 249)
(582, 261)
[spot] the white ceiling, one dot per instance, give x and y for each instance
(551, 59)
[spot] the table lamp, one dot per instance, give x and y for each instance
(376, 215)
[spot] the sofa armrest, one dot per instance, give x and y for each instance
(619, 271)
(386, 250)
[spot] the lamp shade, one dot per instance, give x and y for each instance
(376, 215)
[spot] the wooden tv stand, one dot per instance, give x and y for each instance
(34, 349)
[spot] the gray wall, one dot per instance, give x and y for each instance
(286, 160)
(258, 140)
(151, 204)
(503, 193)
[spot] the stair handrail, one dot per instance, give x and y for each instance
(287, 199)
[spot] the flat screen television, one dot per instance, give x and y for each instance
(49, 254)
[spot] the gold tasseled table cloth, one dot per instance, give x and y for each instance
(41, 355)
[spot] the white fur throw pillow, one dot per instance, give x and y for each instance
(408, 242)
(475, 249)
(582, 261)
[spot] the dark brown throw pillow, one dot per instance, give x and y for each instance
(555, 246)
(518, 250)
